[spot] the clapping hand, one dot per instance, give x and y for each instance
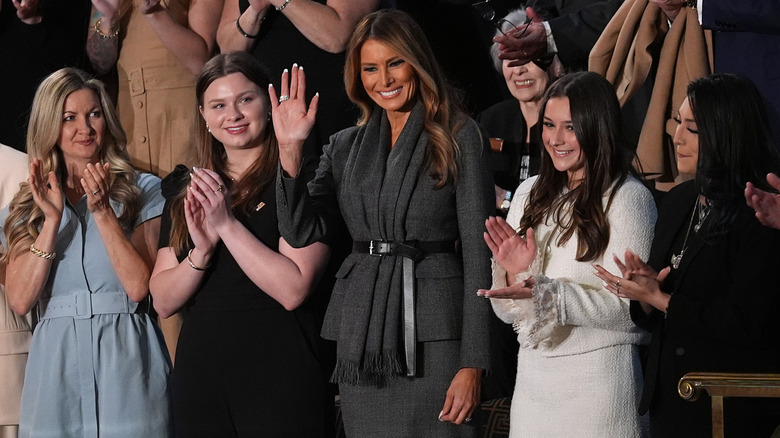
(638, 281)
(96, 182)
(511, 251)
(212, 197)
(46, 191)
(766, 205)
(202, 233)
(518, 291)
(514, 254)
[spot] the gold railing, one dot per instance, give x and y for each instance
(719, 385)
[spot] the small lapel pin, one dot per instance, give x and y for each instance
(259, 206)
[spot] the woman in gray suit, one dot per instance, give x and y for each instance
(413, 187)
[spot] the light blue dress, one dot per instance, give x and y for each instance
(98, 364)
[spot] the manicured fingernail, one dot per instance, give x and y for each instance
(285, 71)
(440, 415)
(295, 65)
(300, 68)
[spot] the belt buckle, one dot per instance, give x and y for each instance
(136, 78)
(83, 306)
(378, 248)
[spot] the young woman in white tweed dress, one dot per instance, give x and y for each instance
(578, 370)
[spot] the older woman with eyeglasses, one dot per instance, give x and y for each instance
(512, 124)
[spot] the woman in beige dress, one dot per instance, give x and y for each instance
(158, 47)
(15, 331)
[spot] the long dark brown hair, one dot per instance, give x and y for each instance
(245, 192)
(595, 114)
(443, 117)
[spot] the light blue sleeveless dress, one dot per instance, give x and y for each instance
(97, 364)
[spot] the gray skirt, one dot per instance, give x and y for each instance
(408, 407)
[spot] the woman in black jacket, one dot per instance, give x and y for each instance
(708, 293)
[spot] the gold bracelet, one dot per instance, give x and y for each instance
(42, 254)
(193, 265)
(114, 31)
(284, 5)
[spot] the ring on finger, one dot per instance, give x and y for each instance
(95, 192)
(284, 97)
(219, 188)
(467, 420)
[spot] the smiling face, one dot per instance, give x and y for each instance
(388, 79)
(236, 111)
(526, 82)
(83, 125)
(686, 140)
(560, 140)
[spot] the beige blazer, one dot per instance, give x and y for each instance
(625, 54)
(15, 331)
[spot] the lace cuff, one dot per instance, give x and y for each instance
(538, 330)
(509, 310)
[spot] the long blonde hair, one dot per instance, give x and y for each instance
(443, 118)
(26, 218)
(245, 192)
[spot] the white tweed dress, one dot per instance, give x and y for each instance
(578, 371)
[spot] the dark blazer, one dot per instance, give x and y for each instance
(722, 317)
(505, 120)
(447, 306)
(576, 25)
(746, 40)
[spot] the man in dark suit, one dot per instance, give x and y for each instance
(746, 40)
(568, 28)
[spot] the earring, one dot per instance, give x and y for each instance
(207, 127)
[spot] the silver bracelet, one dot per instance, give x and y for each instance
(284, 5)
(193, 265)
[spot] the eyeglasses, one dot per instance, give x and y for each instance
(486, 11)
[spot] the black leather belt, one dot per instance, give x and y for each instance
(412, 252)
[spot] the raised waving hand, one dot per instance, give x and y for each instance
(293, 119)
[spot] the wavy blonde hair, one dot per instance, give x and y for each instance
(443, 117)
(26, 218)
